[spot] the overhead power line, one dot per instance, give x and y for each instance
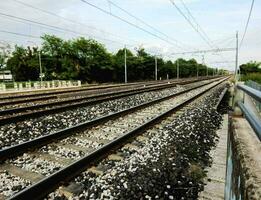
(130, 23)
(195, 21)
(196, 27)
(192, 25)
(143, 22)
(248, 19)
(221, 62)
(19, 34)
(69, 20)
(206, 51)
(60, 28)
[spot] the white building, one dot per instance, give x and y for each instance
(6, 75)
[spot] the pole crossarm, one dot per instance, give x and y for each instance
(222, 62)
(205, 51)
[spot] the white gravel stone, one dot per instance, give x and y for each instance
(10, 184)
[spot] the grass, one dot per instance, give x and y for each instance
(256, 77)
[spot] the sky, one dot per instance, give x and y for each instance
(165, 32)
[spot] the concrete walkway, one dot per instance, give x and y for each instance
(215, 188)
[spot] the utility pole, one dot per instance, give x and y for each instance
(125, 64)
(177, 68)
(236, 67)
(203, 63)
(197, 71)
(156, 68)
(41, 71)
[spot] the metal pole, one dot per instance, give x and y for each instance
(156, 68)
(41, 72)
(125, 64)
(203, 63)
(236, 75)
(177, 68)
(197, 71)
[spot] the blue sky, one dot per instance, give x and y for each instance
(220, 19)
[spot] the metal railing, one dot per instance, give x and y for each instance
(251, 117)
(256, 86)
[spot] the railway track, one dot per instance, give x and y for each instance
(57, 95)
(14, 100)
(10, 99)
(15, 133)
(68, 152)
(25, 112)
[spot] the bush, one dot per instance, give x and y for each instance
(256, 77)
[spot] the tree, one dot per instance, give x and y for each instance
(23, 64)
(95, 63)
(119, 65)
(4, 54)
(2, 60)
(250, 67)
(52, 54)
(88, 60)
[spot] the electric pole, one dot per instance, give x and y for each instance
(177, 68)
(156, 68)
(125, 64)
(41, 71)
(197, 71)
(236, 67)
(203, 63)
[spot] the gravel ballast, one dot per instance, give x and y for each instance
(170, 164)
(19, 132)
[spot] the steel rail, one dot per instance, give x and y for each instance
(48, 184)
(54, 94)
(37, 113)
(41, 96)
(69, 90)
(131, 91)
(40, 141)
(96, 92)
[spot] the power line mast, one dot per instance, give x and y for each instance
(177, 68)
(204, 51)
(197, 71)
(125, 64)
(203, 63)
(236, 67)
(156, 68)
(41, 70)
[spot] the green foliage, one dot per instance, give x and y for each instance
(4, 55)
(256, 77)
(24, 64)
(88, 60)
(2, 60)
(251, 71)
(250, 67)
